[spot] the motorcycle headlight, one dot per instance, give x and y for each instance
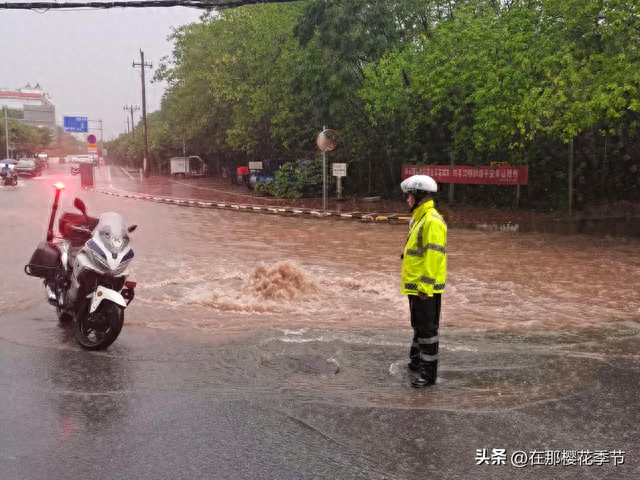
(113, 241)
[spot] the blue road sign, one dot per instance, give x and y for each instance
(76, 124)
(91, 139)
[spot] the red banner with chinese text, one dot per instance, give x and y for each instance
(470, 175)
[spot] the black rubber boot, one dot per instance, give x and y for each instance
(426, 376)
(422, 382)
(413, 367)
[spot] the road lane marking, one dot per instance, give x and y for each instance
(122, 168)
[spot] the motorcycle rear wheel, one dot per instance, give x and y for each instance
(98, 330)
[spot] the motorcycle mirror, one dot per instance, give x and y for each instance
(132, 228)
(79, 204)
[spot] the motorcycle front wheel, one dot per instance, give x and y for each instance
(98, 330)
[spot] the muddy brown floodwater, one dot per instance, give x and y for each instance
(222, 271)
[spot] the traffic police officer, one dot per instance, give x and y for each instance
(424, 272)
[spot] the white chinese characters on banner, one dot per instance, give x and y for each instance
(495, 175)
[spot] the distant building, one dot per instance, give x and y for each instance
(34, 103)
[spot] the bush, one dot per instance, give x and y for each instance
(292, 181)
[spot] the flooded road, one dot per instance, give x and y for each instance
(301, 322)
(219, 271)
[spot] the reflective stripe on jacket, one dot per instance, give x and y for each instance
(424, 263)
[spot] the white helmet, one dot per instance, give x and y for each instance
(419, 183)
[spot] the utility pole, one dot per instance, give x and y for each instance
(128, 130)
(131, 108)
(6, 129)
(143, 66)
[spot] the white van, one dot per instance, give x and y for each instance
(86, 158)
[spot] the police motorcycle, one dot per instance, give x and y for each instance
(85, 272)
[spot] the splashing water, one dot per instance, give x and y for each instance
(282, 281)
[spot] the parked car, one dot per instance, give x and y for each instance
(261, 172)
(28, 167)
(85, 158)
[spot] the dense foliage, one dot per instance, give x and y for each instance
(24, 140)
(294, 180)
(412, 81)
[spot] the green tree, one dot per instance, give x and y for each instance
(24, 140)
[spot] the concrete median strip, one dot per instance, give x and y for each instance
(363, 217)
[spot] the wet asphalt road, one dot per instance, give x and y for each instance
(161, 406)
(314, 405)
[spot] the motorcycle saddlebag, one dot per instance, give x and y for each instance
(44, 261)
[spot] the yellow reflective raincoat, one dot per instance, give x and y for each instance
(424, 261)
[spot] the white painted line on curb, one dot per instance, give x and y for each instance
(122, 168)
(356, 216)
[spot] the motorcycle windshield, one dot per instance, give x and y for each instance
(113, 232)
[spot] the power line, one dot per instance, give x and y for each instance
(199, 4)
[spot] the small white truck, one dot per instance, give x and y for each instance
(182, 167)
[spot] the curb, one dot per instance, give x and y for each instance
(287, 211)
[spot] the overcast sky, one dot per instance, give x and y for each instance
(83, 58)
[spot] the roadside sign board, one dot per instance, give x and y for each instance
(75, 124)
(339, 169)
(92, 149)
(499, 175)
(91, 139)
